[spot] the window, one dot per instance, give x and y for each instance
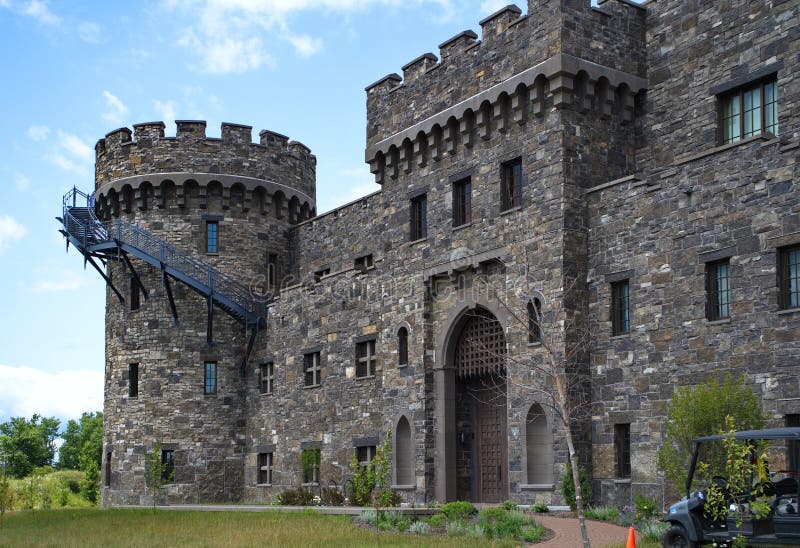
(266, 378)
(365, 454)
(750, 111)
(108, 470)
(534, 321)
(622, 449)
(620, 308)
(419, 218)
(312, 369)
(402, 346)
(265, 468)
(210, 382)
(272, 270)
(212, 236)
(133, 380)
(789, 276)
(363, 263)
(462, 202)
(511, 185)
(320, 273)
(365, 359)
(135, 298)
(168, 465)
(404, 454)
(310, 460)
(718, 290)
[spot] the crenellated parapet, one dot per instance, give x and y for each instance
(562, 81)
(143, 169)
(609, 38)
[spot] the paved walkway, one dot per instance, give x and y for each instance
(568, 533)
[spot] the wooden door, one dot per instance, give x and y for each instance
(490, 451)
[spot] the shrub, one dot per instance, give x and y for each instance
(436, 520)
(389, 498)
(533, 533)
(331, 496)
(499, 523)
(602, 513)
(510, 505)
(700, 411)
(458, 510)
(368, 516)
(540, 508)
(403, 525)
(419, 528)
(645, 507)
(568, 488)
(296, 497)
(653, 531)
(460, 528)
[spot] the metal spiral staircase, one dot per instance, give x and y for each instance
(117, 240)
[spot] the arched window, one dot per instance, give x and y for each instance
(402, 346)
(534, 321)
(539, 447)
(404, 454)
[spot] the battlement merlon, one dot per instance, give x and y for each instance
(611, 35)
(125, 153)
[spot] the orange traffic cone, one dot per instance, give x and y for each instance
(631, 538)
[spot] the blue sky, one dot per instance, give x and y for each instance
(74, 71)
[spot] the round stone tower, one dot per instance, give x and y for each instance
(201, 225)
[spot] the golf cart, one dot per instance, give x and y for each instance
(691, 526)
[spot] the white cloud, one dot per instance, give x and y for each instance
(64, 394)
(72, 154)
(91, 33)
(39, 133)
(10, 231)
(21, 182)
(166, 110)
(305, 45)
(37, 9)
(59, 160)
(250, 22)
(76, 146)
(58, 282)
(116, 109)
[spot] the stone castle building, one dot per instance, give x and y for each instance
(609, 187)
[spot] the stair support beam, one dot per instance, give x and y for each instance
(89, 259)
(136, 277)
(168, 286)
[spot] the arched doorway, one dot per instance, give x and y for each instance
(481, 457)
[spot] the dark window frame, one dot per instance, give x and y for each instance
(734, 109)
(462, 202)
(789, 277)
(312, 369)
(135, 293)
(365, 454)
(265, 463)
(133, 380)
(168, 465)
(266, 378)
(212, 241)
(366, 359)
(418, 228)
(210, 378)
(402, 346)
(364, 262)
(620, 307)
(622, 450)
(511, 185)
(718, 294)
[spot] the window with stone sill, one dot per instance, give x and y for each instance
(749, 111)
(363, 263)
(622, 450)
(718, 290)
(511, 185)
(312, 369)
(265, 468)
(789, 277)
(365, 454)
(620, 308)
(462, 202)
(419, 218)
(365, 359)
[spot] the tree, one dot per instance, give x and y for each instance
(83, 439)
(6, 497)
(157, 473)
(701, 411)
(26, 445)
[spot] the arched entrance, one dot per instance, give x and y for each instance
(478, 361)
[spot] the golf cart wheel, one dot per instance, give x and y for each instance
(677, 537)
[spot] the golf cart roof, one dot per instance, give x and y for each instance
(786, 433)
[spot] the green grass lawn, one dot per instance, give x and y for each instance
(94, 527)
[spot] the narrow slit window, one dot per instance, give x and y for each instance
(419, 218)
(212, 236)
(718, 290)
(622, 449)
(133, 380)
(402, 346)
(511, 185)
(210, 378)
(620, 308)
(462, 202)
